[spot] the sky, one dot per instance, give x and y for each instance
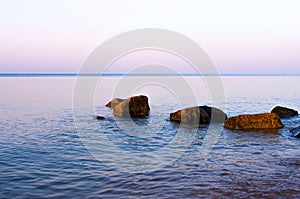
(241, 37)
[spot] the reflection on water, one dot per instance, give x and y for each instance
(41, 153)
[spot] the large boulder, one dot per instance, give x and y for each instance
(136, 106)
(296, 132)
(198, 114)
(284, 112)
(255, 121)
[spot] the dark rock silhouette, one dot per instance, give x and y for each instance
(296, 132)
(216, 115)
(198, 114)
(255, 121)
(100, 117)
(284, 112)
(135, 107)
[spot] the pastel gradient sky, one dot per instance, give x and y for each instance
(56, 36)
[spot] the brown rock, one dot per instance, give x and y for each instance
(200, 114)
(190, 115)
(256, 121)
(284, 112)
(216, 115)
(136, 106)
(114, 101)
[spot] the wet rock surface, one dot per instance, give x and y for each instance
(135, 107)
(198, 114)
(296, 132)
(98, 117)
(255, 121)
(284, 112)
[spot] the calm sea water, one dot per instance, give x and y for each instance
(42, 154)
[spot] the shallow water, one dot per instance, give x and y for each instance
(42, 154)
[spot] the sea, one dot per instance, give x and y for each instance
(52, 146)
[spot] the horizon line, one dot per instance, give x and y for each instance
(122, 74)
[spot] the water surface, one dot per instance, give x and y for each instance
(41, 153)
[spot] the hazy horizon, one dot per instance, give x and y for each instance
(257, 37)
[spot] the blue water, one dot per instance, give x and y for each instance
(42, 154)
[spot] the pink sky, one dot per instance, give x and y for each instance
(240, 37)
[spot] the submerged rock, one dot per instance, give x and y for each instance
(98, 117)
(296, 132)
(284, 112)
(136, 106)
(198, 114)
(255, 121)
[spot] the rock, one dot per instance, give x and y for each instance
(136, 106)
(100, 117)
(216, 115)
(296, 132)
(114, 101)
(256, 121)
(284, 112)
(200, 114)
(190, 115)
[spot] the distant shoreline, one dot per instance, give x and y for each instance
(117, 75)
